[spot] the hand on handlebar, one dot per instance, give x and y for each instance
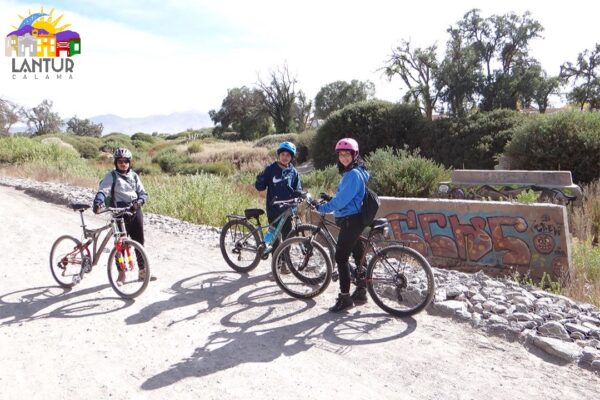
(97, 209)
(325, 196)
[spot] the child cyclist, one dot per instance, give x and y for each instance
(126, 190)
(346, 206)
(282, 182)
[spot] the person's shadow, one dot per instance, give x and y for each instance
(26, 305)
(251, 342)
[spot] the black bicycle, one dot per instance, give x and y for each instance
(243, 244)
(398, 278)
(128, 267)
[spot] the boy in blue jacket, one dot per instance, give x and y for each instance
(282, 182)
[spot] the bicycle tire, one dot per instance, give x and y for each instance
(137, 287)
(391, 286)
(230, 229)
(304, 286)
(305, 230)
(66, 244)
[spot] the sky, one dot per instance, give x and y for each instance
(141, 58)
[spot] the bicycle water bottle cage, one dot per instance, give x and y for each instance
(253, 212)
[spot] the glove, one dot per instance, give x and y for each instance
(325, 196)
(97, 208)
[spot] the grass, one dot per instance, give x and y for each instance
(202, 198)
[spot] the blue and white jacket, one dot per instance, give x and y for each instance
(280, 183)
(349, 194)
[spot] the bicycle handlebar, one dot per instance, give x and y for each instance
(116, 211)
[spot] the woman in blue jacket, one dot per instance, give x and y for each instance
(282, 182)
(346, 206)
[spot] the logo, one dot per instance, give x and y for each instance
(41, 47)
(275, 180)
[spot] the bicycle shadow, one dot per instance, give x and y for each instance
(24, 305)
(227, 349)
(198, 289)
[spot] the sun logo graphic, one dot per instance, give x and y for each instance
(41, 45)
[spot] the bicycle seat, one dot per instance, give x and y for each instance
(253, 212)
(79, 207)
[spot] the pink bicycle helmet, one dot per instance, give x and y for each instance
(347, 144)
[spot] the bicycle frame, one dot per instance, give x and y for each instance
(279, 222)
(117, 230)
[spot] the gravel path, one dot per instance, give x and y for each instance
(203, 331)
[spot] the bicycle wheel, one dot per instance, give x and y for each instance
(128, 282)
(400, 281)
(67, 261)
(308, 267)
(305, 230)
(239, 244)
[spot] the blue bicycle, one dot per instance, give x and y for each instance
(243, 244)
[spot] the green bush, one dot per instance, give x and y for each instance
(567, 140)
(87, 146)
(170, 160)
(303, 144)
(216, 168)
(143, 137)
(16, 150)
(141, 145)
(374, 124)
(472, 142)
(147, 169)
(321, 180)
(271, 141)
(115, 141)
(194, 147)
(402, 173)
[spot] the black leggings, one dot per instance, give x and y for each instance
(347, 243)
(135, 228)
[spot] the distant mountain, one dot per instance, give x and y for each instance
(172, 123)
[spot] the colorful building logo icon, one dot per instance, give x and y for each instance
(41, 35)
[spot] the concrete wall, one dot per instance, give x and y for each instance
(497, 237)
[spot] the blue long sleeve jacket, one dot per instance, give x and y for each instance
(349, 194)
(280, 183)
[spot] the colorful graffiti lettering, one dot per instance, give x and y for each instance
(487, 239)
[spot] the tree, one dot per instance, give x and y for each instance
(279, 98)
(9, 116)
(417, 69)
(302, 111)
(459, 75)
(41, 120)
(84, 127)
(337, 95)
(502, 40)
(242, 110)
(538, 87)
(585, 73)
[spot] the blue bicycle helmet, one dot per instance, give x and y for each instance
(287, 146)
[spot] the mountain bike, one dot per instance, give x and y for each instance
(243, 244)
(70, 259)
(398, 278)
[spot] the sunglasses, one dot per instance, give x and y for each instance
(123, 161)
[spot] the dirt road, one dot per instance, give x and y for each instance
(203, 331)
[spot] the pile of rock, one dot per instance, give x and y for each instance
(553, 323)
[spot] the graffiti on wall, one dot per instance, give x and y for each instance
(487, 238)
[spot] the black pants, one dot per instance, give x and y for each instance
(285, 230)
(135, 228)
(347, 243)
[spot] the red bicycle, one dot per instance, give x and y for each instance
(128, 267)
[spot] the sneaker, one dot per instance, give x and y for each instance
(121, 278)
(359, 296)
(343, 303)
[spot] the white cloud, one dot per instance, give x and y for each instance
(130, 72)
